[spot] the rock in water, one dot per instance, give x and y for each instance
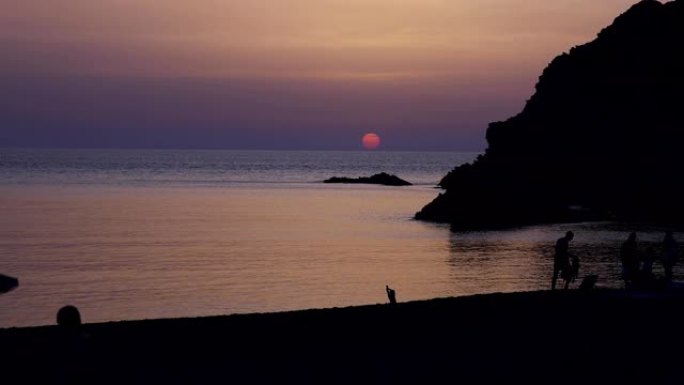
(383, 178)
(7, 283)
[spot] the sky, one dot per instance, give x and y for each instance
(425, 75)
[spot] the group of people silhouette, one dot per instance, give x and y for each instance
(637, 267)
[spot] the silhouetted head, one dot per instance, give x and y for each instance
(669, 235)
(632, 237)
(68, 316)
(569, 235)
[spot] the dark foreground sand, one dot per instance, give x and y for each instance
(542, 337)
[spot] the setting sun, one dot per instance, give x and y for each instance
(370, 141)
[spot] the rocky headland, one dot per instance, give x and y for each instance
(601, 138)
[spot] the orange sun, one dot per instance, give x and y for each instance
(370, 141)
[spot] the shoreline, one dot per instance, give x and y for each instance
(607, 334)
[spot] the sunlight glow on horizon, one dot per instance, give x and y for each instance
(353, 39)
(210, 72)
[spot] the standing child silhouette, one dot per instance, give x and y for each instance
(391, 294)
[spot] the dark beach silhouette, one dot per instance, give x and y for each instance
(602, 124)
(499, 338)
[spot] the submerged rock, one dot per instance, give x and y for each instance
(603, 131)
(383, 178)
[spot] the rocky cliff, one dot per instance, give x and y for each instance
(603, 132)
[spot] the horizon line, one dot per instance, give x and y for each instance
(132, 148)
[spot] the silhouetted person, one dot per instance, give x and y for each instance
(670, 254)
(575, 264)
(561, 260)
(74, 361)
(69, 317)
(570, 271)
(391, 294)
(629, 256)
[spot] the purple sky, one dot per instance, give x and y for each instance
(277, 74)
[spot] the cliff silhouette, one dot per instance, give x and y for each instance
(601, 138)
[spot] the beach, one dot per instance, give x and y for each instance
(563, 336)
(343, 192)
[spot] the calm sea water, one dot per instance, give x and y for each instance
(147, 234)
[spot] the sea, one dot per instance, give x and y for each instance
(142, 234)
